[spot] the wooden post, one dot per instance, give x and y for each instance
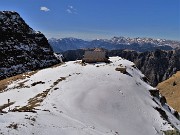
(9, 103)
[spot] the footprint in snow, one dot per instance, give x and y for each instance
(121, 92)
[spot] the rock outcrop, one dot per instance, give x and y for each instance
(157, 65)
(21, 48)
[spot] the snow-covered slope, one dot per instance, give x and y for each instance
(88, 99)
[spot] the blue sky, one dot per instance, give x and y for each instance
(91, 19)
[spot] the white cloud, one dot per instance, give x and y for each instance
(71, 10)
(45, 9)
(71, 7)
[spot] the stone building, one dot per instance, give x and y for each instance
(96, 55)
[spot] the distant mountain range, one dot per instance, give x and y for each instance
(137, 44)
(158, 59)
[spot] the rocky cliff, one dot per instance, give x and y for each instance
(157, 65)
(21, 48)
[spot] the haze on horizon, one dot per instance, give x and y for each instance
(91, 19)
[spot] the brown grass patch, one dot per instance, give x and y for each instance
(170, 88)
(57, 65)
(20, 85)
(80, 63)
(5, 82)
(5, 106)
(172, 132)
(38, 99)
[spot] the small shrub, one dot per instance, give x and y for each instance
(171, 132)
(121, 69)
(176, 114)
(154, 93)
(163, 100)
(13, 125)
(56, 88)
(162, 113)
(35, 83)
(33, 119)
(134, 66)
(174, 83)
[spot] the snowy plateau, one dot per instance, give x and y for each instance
(88, 99)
